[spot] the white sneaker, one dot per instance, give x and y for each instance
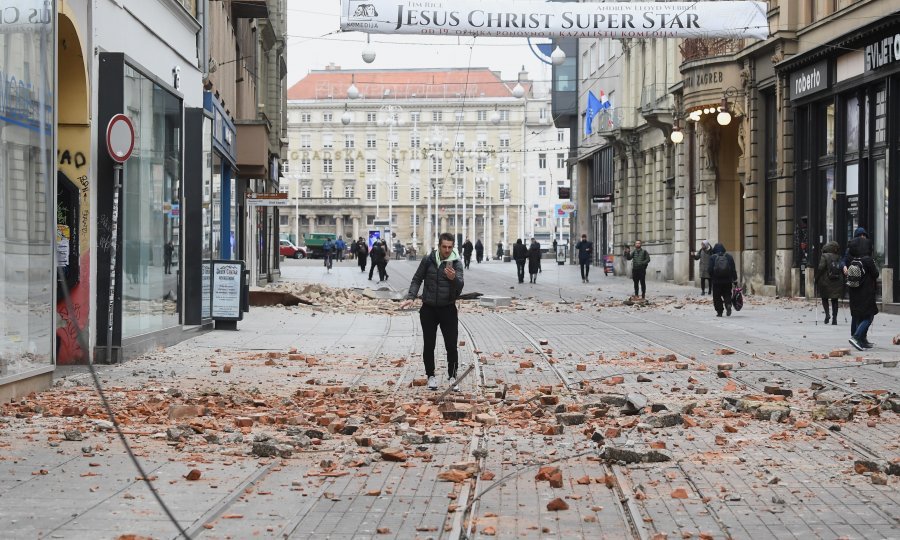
(453, 384)
(432, 383)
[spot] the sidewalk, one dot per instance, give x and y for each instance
(309, 423)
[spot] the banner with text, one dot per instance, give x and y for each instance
(508, 18)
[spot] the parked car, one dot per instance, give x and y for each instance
(289, 250)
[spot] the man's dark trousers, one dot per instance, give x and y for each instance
(520, 268)
(446, 317)
(585, 270)
(639, 276)
(721, 296)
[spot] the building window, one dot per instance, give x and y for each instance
(459, 116)
(560, 161)
(349, 166)
(560, 135)
(305, 166)
(305, 141)
(415, 116)
(370, 192)
(414, 193)
(349, 141)
(542, 188)
(482, 142)
(306, 117)
(482, 116)
(327, 166)
(348, 191)
(371, 167)
(543, 114)
(460, 165)
(414, 140)
(415, 166)
(504, 141)
(461, 144)
(305, 191)
(504, 116)
(395, 168)
(327, 191)
(479, 190)
(504, 192)
(542, 161)
(327, 118)
(437, 116)
(481, 164)
(414, 220)
(371, 117)
(327, 140)
(437, 164)
(395, 192)
(371, 141)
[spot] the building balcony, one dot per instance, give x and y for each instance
(330, 202)
(703, 48)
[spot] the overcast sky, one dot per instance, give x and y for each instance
(307, 50)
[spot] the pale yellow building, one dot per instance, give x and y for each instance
(372, 147)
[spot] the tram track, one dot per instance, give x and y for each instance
(625, 504)
(261, 473)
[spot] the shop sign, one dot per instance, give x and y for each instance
(883, 53)
(25, 15)
(509, 18)
(809, 80)
(696, 81)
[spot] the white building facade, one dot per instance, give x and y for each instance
(416, 153)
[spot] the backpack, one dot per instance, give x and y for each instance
(721, 268)
(835, 269)
(855, 273)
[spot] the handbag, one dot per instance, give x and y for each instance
(737, 298)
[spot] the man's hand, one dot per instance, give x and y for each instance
(406, 304)
(450, 273)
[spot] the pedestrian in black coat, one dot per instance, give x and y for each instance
(467, 252)
(520, 255)
(863, 305)
(722, 276)
(830, 280)
(534, 260)
(362, 253)
(479, 250)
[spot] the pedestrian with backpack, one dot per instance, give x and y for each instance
(830, 280)
(862, 283)
(723, 276)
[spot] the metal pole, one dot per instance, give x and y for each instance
(297, 213)
(114, 240)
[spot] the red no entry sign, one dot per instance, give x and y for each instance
(120, 138)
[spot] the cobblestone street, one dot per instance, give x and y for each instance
(582, 417)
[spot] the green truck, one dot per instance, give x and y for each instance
(314, 243)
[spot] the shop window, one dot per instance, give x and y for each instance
(852, 125)
(881, 115)
(150, 228)
(880, 213)
(829, 131)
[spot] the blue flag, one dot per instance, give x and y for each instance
(593, 107)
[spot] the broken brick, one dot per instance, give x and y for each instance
(557, 505)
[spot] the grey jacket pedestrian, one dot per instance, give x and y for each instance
(639, 258)
(703, 256)
(830, 286)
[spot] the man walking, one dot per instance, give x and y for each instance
(339, 248)
(442, 273)
(640, 259)
(723, 276)
(520, 255)
(479, 251)
(361, 254)
(467, 252)
(585, 253)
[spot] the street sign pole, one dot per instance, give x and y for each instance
(117, 186)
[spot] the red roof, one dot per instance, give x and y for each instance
(404, 84)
